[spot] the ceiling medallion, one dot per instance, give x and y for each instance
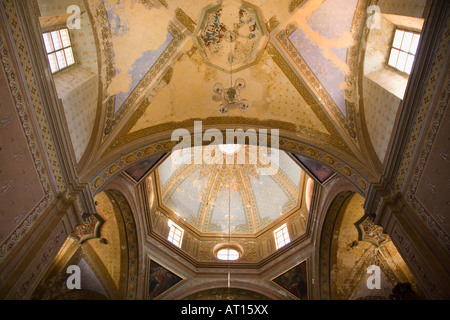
(231, 24)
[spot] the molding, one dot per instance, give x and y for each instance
(40, 81)
(117, 163)
(325, 245)
(410, 129)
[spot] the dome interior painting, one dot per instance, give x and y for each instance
(214, 196)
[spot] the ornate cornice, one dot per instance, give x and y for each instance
(287, 144)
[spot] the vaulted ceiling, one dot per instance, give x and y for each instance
(161, 60)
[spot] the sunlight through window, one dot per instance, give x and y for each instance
(281, 236)
(404, 48)
(59, 49)
(175, 234)
(228, 254)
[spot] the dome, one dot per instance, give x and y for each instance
(230, 190)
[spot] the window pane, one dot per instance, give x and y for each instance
(393, 58)
(175, 234)
(415, 44)
(398, 39)
(69, 56)
(56, 40)
(65, 38)
(281, 236)
(53, 62)
(409, 64)
(48, 42)
(228, 254)
(61, 59)
(407, 39)
(401, 63)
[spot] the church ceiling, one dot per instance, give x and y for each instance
(162, 60)
(235, 195)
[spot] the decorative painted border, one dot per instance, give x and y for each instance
(33, 93)
(352, 59)
(283, 38)
(429, 137)
(30, 280)
(294, 4)
(167, 145)
(334, 137)
(272, 23)
(24, 118)
(111, 118)
(429, 221)
(326, 242)
(124, 137)
(430, 90)
(185, 20)
(132, 243)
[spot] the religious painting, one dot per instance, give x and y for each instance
(140, 170)
(295, 281)
(160, 280)
(315, 169)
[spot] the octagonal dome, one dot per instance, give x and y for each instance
(217, 195)
(231, 35)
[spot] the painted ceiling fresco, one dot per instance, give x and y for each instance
(322, 48)
(164, 58)
(234, 196)
(231, 35)
(131, 72)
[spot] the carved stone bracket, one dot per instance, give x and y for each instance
(370, 232)
(90, 229)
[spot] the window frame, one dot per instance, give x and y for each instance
(173, 236)
(228, 255)
(63, 49)
(392, 47)
(286, 239)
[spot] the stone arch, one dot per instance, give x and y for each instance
(343, 163)
(128, 231)
(107, 259)
(347, 250)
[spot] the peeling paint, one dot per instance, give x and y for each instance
(141, 30)
(301, 18)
